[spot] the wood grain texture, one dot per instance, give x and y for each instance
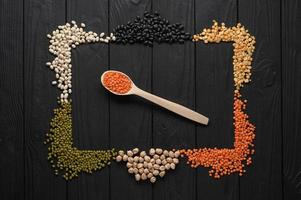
(41, 17)
(196, 75)
(263, 178)
(130, 116)
(11, 100)
(173, 68)
(90, 101)
(291, 87)
(214, 96)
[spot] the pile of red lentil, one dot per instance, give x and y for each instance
(226, 161)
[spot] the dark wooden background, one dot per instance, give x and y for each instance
(196, 75)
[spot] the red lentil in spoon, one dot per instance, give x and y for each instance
(117, 82)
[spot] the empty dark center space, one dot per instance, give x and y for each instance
(205, 85)
(215, 85)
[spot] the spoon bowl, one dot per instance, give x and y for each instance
(130, 92)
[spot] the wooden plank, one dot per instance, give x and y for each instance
(90, 101)
(41, 18)
(291, 87)
(174, 79)
(130, 117)
(214, 95)
(263, 177)
(11, 100)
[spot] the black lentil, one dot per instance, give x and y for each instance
(150, 28)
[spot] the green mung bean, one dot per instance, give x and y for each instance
(64, 156)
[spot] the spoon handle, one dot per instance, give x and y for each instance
(174, 107)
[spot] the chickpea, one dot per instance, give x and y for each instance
(162, 173)
(121, 153)
(129, 153)
(141, 159)
(130, 160)
(142, 154)
(135, 151)
(146, 171)
(143, 176)
(136, 159)
(128, 165)
(141, 171)
(167, 166)
(147, 158)
(175, 160)
(172, 166)
(165, 153)
(152, 152)
(158, 151)
(149, 165)
(137, 177)
(125, 158)
(171, 154)
(118, 158)
(153, 179)
(156, 173)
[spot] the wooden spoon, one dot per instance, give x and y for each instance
(174, 107)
